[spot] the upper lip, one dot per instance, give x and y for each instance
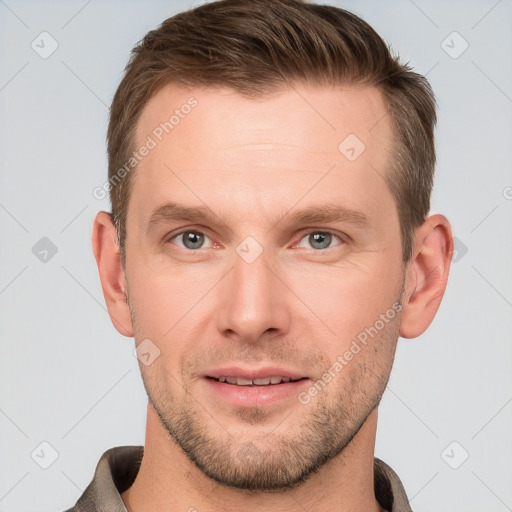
(254, 373)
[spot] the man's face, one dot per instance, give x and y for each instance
(252, 291)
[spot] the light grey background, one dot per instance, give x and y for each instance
(69, 379)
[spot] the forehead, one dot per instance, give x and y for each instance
(312, 118)
(266, 150)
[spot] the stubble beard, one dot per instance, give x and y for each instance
(275, 462)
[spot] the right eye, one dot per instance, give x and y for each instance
(190, 239)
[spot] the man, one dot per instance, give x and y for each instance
(270, 171)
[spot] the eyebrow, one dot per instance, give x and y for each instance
(173, 211)
(328, 213)
(325, 213)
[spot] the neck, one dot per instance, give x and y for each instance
(168, 480)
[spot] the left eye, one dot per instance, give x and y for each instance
(190, 239)
(320, 239)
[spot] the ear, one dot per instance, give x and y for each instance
(113, 282)
(427, 275)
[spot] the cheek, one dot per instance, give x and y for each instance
(162, 385)
(347, 300)
(161, 299)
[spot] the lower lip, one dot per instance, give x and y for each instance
(255, 396)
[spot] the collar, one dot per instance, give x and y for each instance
(118, 467)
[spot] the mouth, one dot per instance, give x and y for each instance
(254, 388)
(264, 381)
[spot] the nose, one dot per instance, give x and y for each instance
(253, 301)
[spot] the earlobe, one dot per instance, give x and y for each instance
(112, 276)
(427, 275)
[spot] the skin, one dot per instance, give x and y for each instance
(299, 304)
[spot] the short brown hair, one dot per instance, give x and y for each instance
(259, 47)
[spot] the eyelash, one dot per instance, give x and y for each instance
(342, 238)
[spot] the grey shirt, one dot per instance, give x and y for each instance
(118, 467)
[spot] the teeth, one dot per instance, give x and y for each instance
(265, 381)
(243, 382)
